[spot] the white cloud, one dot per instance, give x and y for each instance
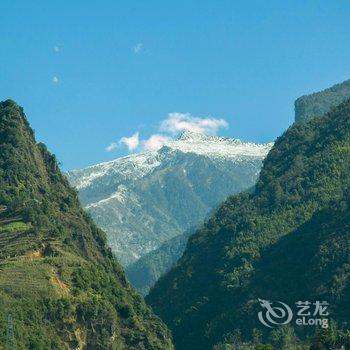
(55, 80)
(168, 129)
(131, 142)
(137, 48)
(178, 122)
(155, 142)
(56, 48)
(111, 147)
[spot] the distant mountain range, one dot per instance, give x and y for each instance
(145, 199)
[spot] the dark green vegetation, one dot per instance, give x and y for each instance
(60, 287)
(144, 273)
(320, 103)
(288, 241)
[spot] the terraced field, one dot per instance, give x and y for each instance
(16, 236)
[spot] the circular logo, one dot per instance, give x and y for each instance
(274, 315)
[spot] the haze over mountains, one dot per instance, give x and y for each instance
(144, 199)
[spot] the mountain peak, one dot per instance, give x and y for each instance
(197, 137)
(191, 135)
(11, 110)
(138, 199)
(216, 146)
(9, 103)
(319, 103)
(137, 165)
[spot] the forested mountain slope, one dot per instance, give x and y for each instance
(144, 273)
(60, 287)
(288, 241)
(320, 103)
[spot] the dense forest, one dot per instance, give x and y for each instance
(60, 287)
(287, 241)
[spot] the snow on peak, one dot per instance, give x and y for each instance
(214, 146)
(190, 135)
(137, 165)
(133, 166)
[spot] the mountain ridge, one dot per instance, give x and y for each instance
(186, 143)
(319, 103)
(60, 286)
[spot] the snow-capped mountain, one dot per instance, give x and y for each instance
(144, 199)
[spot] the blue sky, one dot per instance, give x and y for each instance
(89, 73)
